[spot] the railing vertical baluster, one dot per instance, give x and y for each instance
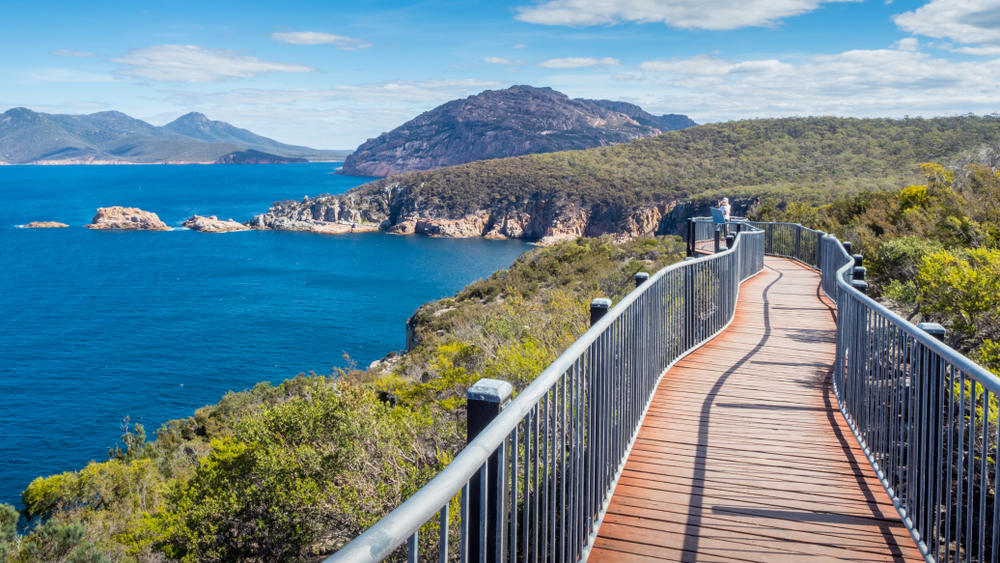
(984, 473)
(412, 548)
(463, 542)
(971, 472)
(537, 452)
(484, 487)
(528, 492)
(563, 502)
(546, 477)
(443, 524)
(515, 451)
(995, 536)
(960, 466)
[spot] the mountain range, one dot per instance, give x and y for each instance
(504, 123)
(28, 137)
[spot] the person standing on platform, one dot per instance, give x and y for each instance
(726, 208)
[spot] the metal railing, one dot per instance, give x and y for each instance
(926, 418)
(924, 415)
(560, 446)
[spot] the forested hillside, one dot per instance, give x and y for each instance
(818, 157)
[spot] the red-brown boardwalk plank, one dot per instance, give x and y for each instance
(743, 455)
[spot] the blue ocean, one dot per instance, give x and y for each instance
(99, 325)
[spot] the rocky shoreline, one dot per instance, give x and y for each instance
(541, 219)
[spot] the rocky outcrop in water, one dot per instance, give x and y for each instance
(495, 124)
(45, 225)
(546, 220)
(127, 218)
(213, 225)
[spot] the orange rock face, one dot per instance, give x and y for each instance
(45, 225)
(213, 225)
(127, 218)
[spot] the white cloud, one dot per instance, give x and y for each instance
(684, 14)
(965, 21)
(317, 38)
(65, 75)
(339, 117)
(68, 53)
(389, 92)
(990, 51)
(519, 46)
(907, 44)
(67, 107)
(187, 63)
(503, 61)
(880, 82)
(579, 62)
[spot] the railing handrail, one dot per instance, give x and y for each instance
(380, 540)
(989, 380)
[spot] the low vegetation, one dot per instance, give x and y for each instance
(292, 472)
(932, 249)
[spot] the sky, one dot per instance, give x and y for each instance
(332, 74)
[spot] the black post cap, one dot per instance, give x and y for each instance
(598, 308)
(934, 329)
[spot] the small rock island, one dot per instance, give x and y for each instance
(213, 225)
(126, 218)
(45, 225)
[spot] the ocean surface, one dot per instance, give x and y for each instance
(97, 325)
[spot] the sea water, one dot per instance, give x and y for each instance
(99, 325)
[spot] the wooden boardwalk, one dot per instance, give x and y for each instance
(744, 455)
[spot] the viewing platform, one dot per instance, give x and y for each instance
(744, 455)
(749, 404)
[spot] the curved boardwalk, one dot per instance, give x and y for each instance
(744, 456)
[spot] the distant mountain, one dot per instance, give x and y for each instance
(497, 124)
(668, 122)
(113, 137)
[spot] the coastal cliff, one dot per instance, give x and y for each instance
(547, 219)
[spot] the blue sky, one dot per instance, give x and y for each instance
(332, 74)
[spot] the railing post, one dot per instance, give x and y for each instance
(798, 243)
(730, 241)
(598, 308)
(819, 249)
(847, 246)
(486, 400)
(718, 234)
(860, 285)
(935, 330)
(690, 237)
(640, 278)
